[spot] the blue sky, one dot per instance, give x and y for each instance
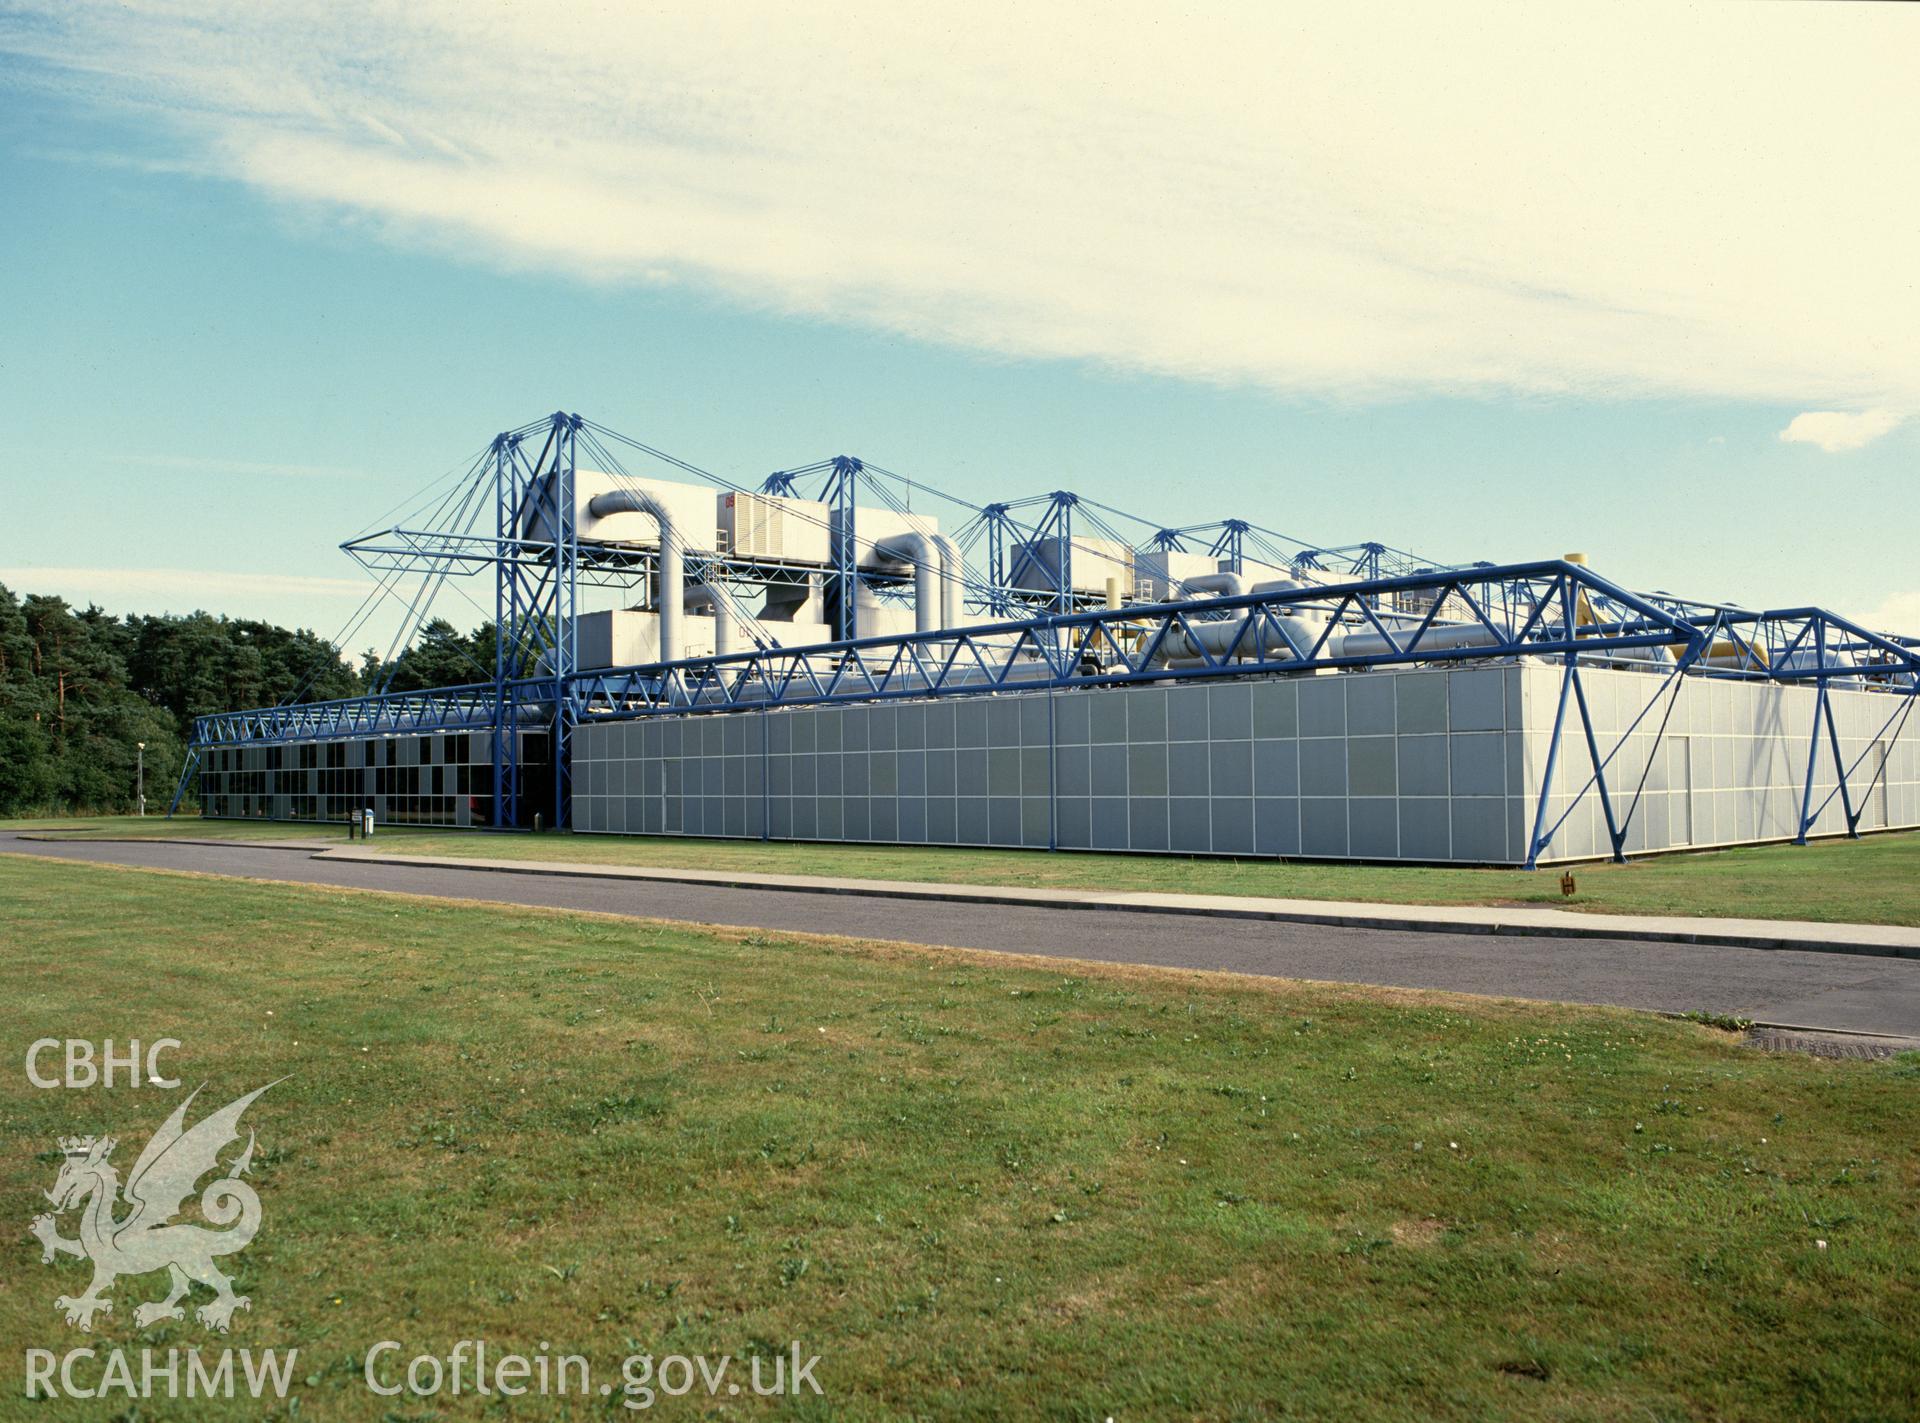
(225, 349)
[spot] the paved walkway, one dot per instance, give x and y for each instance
(1829, 991)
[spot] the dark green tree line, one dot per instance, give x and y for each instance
(80, 689)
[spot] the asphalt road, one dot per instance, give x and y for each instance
(1837, 992)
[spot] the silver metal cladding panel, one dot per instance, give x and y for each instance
(1712, 762)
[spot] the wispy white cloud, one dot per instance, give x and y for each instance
(1353, 201)
(104, 158)
(1837, 430)
(264, 468)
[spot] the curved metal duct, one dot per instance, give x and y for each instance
(672, 564)
(929, 572)
(1217, 585)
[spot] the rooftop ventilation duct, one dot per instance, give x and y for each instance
(929, 562)
(672, 561)
(705, 595)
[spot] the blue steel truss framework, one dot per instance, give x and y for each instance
(1550, 610)
(1236, 543)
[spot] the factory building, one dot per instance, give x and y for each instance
(826, 657)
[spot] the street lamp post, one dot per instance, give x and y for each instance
(140, 776)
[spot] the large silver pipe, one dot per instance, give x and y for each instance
(1300, 633)
(1295, 632)
(867, 608)
(953, 582)
(1437, 638)
(672, 562)
(704, 595)
(1282, 634)
(1213, 585)
(928, 565)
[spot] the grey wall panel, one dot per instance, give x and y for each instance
(1421, 703)
(972, 825)
(1323, 826)
(1003, 821)
(1187, 718)
(1371, 764)
(1323, 706)
(1230, 768)
(1232, 825)
(1074, 768)
(1073, 719)
(1146, 714)
(1075, 821)
(1187, 768)
(1370, 705)
(1147, 822)
(1276, 710)
(1108, 715)
(1276, 826)
(1477, 763)
(1146, 769)
(1426, 829)
(1276, 768)
(1422, 763)
(1036, 822)
(1373, 828)
(1323, 766)
(1476, 699)
(1190, 823)
(1230, 712)
(1479, 830)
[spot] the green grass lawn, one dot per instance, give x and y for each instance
(978, 1187)
(1874, 880)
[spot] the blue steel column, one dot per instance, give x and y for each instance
(1063, 502)
(1616, 834)
(1231, 546)
(565, 653)
(1813, 739)
(841, 489)
(1053, 772)
(1840, 770)
(1369, 566)
(995, 517)
(506, 622)
(187, 769)
(1537, 841)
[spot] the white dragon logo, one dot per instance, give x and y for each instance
(144, 1240)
